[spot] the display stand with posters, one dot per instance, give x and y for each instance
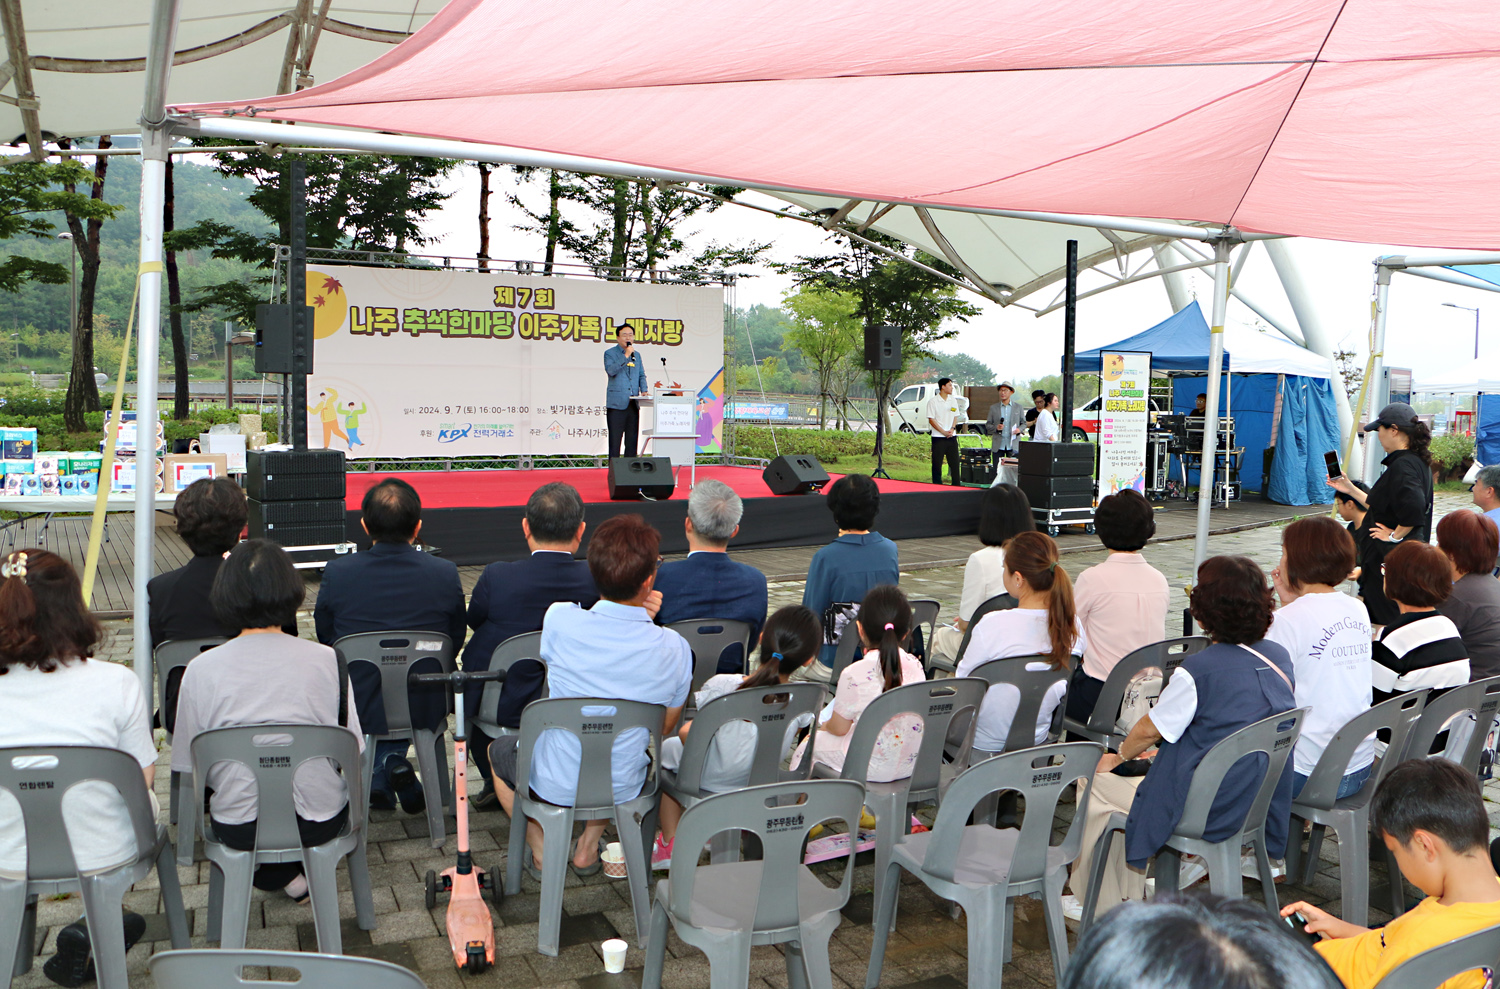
(1125, 384)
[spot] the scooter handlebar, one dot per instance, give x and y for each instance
(458, 679)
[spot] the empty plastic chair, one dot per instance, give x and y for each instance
(983, 868)
(1034, 686)
(526, 646)
(709, 637)
(1433, 967)
(722, 910)
(1166, 656)
(170, 660)
(38, 778)
(215, 968)
(924, 615)
(272, 754)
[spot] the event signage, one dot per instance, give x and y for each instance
(432, 362)
(1123, 417)
(760, 410)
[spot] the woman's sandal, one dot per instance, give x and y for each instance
(591, 870)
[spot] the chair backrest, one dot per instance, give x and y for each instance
(1482, 698)
(222, 968)
(1436, 966)
(527, 645)
(273, 753)
(780, 815)
(1275, 737)
(708, 638)
(397, 654)
(1041, 775)
(938, 703)
(1398, 715)
(1033, 685)
(170, 660)
(595, 722)
(924, 615)
(1166, 656)
(849, 648)
(38, 776)
(1000, 602)
(769, 710)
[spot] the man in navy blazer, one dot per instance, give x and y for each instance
(511, 599)
(627, 376)
(392, 586)
(708, 584)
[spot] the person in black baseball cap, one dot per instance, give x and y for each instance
(1398, 505)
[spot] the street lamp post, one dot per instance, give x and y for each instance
(72, 283)
(1475, 311)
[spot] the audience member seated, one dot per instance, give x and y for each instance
(788, 643)
(1327, 634)
(1470, 542)
(53, 692)
(1185, 939)
(511, 598)
(1004, 512)
(708, 584)
(1422, 647)
(1241, 678)
(391, 586)
(847, 568)
(1122, 602)
(264, 676)
(1430, 814)
(614, 650)
(1044, 622)
(884, 623)
(1486, 492)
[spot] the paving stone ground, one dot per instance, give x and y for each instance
(928, 950)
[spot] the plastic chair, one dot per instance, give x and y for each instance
(527, 645)
(397, 655)
(982, 867)
(1274, 737)
(1000, 602)
(1481, 699)
(221, 969)
(1349, 817)
(723, 910)
(596, 723)
(709, 637)
(1033, 685)
(170, 660)
(1437, 965)
(1166, 656)
(925, 613)
(38, 777)
(771, 710)
(849, 648)
(272, 754)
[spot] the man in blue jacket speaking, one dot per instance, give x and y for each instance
(627, 378)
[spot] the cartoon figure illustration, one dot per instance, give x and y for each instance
(705, 422)
(328, 412)
(351, 423)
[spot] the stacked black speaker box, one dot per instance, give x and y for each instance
(296, 496)
(976, 465)
(1057, 475)
(795, 474)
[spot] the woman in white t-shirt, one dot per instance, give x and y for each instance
(1004, 512)
(1044, 623)
(1046, 421)
(1327, 634)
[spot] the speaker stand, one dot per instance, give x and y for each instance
(879, 470)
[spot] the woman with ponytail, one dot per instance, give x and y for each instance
(1044, 623)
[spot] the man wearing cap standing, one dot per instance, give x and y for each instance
(1004, 425)
(942, 415)
(1399, 504)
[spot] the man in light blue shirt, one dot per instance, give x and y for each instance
(627, 377)
(610, 650)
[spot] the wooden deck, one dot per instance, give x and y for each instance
(68, 536)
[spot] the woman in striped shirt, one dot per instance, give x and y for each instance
(1421, 648)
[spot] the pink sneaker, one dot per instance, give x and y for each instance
(661, 855)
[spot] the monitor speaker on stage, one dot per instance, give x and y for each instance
(883, 348)
(795, 475)
(274, 349)
(632, 478)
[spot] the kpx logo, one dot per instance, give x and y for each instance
(453, 433)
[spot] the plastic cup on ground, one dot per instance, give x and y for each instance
(614, 955)
(614, 860)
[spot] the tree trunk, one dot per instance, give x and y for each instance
(620, 240)
(648, 222)
(484, 216)
(174, 310)
(83, 391)
(554, 219)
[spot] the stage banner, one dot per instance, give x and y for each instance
(1123, 417)
(431, 362)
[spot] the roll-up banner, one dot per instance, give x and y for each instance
(1124, 385)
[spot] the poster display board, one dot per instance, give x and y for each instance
(432, 362)
(1125, 380)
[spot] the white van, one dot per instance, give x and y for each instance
(908, 411)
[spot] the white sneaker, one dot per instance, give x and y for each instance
(1250, 870)
(1193, 870)
(1072, 907)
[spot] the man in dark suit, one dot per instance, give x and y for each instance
(392, 586)
(708, 584)
(511, 598)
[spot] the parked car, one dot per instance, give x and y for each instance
(908, 411)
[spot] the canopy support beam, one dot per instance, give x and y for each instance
(1172, 281)
(20, 67)
(1452, 278)
(1211, 414)
(955, 259)
(1141, 277)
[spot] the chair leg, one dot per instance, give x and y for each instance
(14, 944)
(656, 948)
(359, 886)
(1314, 853)
(174, 789)
(1224, 877)
(235, 911)
(1354, 872)
(215, 902)
(1267, 877)
(1057, 929)
(796, 966)
(515, 849)
(989, 936)
(1294, 847)
(1097, 865)
(637, 834)
(101, 897)
(557, 833)
(813, 947)
(887, 887)
(369, 773)
(321, 866)
(888, 809)
(433, 780)
(171, 897)
(445, 772)
(1168, 871)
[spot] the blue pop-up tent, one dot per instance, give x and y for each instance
(1279, 394)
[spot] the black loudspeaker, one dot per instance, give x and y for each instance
(631, 478)
(795, 475)
(1056, 459)
(1057, 492)
(274, 349)
(287, 475)
(883, 348)
(307, 522)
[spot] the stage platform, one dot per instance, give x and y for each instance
(474, 517)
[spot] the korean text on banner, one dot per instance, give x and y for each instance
(1125, 381)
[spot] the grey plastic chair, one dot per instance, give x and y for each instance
(1349, 817)
(272, 754)
(723, 910)
(398, 654)
(925, 613)
(527, 645)
(1437, 965)
(849, 649)
(983, 868)
(1274, 737)
(39, 777)
(1000, 602)
(1480, 699)
(167, 659)
(220, 969)
(709, 637)
(771, 711)
(596, 722)
(1033, 685)
(1166, 656)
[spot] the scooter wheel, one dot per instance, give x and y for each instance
(476, 962)
(488, 883)
(431, 889)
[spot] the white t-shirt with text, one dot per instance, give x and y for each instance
(1328, 638)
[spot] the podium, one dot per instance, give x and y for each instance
(674, 427)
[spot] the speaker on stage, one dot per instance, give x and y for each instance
(795, 475)
(275, 350)
(631, 478)
(882, 348)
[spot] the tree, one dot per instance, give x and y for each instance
(825, 330)
(84, 226)
(28, 192)
(962, 368)
(174, 301)
(1351, 371)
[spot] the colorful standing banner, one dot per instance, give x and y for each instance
(431, 362)
(1123, 418)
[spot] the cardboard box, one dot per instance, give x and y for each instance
(183, 469)
(257, 440)
(231, 445)
(250, 423)
(123, 475)
(18, 443)
(85, 463)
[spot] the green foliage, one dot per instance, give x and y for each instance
(30, 194)
(1085, 387)
(962, 368)
(1451, 450)
(826, 332)
(828, 445)
(43, 411)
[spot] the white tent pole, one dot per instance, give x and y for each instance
(1373, 451)
(1452, 277)
(1211, 416)
(1439, 260)
(1174, 282)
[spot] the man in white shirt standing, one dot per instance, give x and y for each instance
(942, 416)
